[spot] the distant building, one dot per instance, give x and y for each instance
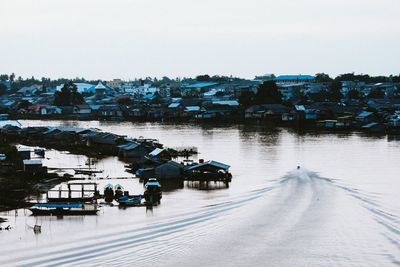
(294, 78)
(265, 77)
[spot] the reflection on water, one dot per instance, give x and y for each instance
(272, 208)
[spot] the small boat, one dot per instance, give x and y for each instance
(109, 193)
(65, 209)
(119, 191)
(87, 172)
(40, 151)
(153, 193)
(130, 201)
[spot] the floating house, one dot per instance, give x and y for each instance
(159, 154)
(132, 150)
(24, 153)
(210, 170)
(34, 166)
(374, 127)
(169, 170)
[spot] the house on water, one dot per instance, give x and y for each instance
(209, 171)
(169, 170)
(132, 150)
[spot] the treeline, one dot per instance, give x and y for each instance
(323, 77)
(19, 82)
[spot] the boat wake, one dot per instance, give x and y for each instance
(301, 219)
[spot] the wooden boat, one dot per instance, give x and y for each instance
(62, 209)
(87, 172)
(153, 192)
(128, 201)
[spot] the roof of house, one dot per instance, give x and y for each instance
(32, 162)
(99, 86)
(81, 87)
(23, 149)
(300, 108)
(129, 146)
(173, 163)
(156, 152)
(365, 114)
(201, 84)
(226, 102)
(83, 106)
(192, 108)
(10, 123)
(174, 105)
(211, 163)
(294, 77)
(370, 125)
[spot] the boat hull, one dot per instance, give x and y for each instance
(62, 212)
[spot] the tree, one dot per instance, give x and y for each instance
(376, 93)
(3, 89)
(268, 93)
(322, 78)
(203, 78)
(126, 101)
(334, 93)
(219, 94)
(246, 99)
(24, 104)
(3, 77)
(68, 96)
(353, 94)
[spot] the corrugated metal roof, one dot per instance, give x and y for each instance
(192, 108)
(212, 163)
(32, 162)
(10, 123)
(365, 114)
(226, 102)
(174, 105)
(128, 146)
(200, 85)
(294, 77)
(155, 152)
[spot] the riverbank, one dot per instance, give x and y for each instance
(300, 126)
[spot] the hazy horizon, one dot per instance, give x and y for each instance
(99, 39)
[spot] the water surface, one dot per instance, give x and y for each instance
(341, 208)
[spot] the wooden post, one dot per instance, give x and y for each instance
(69, 191)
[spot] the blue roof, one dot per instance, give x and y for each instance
(294, 77)
(153, 183)
(128, 146)
(212, 163)
(201, 85)
(370, 125)
(54, 205)
(365, 114)
(174, 105)
(150, 96)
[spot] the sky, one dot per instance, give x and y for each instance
(107, 39)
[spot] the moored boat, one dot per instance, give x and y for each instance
(64, 209)
(128, 201)
(153, 192)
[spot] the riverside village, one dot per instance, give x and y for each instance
(31, 181)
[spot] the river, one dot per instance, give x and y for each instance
(341, 208)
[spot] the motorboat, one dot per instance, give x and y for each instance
(62, 209)
(128, 201)
(153, 193)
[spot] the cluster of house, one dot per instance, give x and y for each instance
(149, 157)
(377, 115)
(199, 100)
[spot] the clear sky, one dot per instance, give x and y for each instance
(105, 39)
